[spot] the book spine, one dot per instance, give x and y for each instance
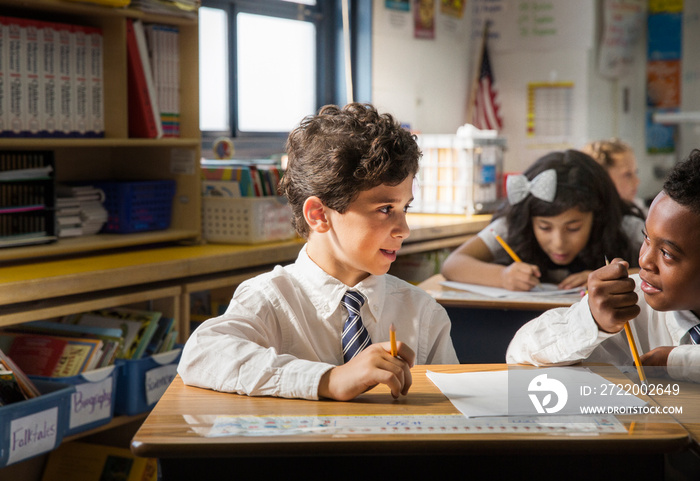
(4, 80)
(80, 82)
(65, 80)
(33, 79)
(141, 120)
(48, 93)
(17, 84)
(96, 83)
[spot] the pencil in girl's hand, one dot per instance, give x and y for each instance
(392, 339)
(507, 248)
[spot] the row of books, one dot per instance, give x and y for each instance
(239, 180)
(153, 80)
(87, 341)
(180, 8)
(51, 79)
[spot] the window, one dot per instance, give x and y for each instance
(265, 64)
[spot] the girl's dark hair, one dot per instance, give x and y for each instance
(683, 183)
(339, 153)
(584, 184)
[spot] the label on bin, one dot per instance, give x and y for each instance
(91, 402)
(158, 380)
(33, 434)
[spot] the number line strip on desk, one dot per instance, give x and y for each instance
(411, 424)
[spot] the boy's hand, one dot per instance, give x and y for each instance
(611, 296)
(578, 279)
(520, 276)
(374, 365)
(656, 357)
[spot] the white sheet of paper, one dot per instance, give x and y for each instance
(486, 393)
(543, 290)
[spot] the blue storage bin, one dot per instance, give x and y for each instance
(92, 403)
(141, 382)
(137, 206)
(36, 426)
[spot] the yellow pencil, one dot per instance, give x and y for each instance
(633, 347)
(507, 248)
(392, 339)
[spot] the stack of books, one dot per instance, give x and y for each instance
(79, 210)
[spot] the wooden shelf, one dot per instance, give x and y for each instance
(43, 144)
(87, 244)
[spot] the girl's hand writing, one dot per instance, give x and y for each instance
(520, 276)
(578, 279)
(375, 365)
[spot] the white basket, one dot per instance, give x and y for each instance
(246, 220)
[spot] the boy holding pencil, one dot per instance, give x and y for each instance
(320, 327)
(661, 303)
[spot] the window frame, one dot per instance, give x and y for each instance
(330, 88)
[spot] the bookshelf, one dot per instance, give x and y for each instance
(116, 156)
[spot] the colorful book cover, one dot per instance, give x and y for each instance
(77, 357)
(137, 326)
(37, 355)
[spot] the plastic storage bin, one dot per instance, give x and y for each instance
(92, 403)
(35, 426)
(246, 220)
(141, 382)
(459, 175)
(137, 206)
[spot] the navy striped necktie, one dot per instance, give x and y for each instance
(695, 334)
(355, 337)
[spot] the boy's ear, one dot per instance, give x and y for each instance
(315, 215)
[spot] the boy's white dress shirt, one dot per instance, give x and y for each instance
(568, 335)
(281, 332)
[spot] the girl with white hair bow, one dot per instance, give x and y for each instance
(563, 216)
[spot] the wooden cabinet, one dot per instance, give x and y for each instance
(116, 156)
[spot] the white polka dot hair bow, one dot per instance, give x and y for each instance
(543, 186)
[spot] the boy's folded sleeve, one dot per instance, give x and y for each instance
(684, 363)
(559, 336)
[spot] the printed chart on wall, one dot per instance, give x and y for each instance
(550, 112)
(526, 25)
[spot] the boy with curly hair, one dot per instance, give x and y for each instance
(319, 328)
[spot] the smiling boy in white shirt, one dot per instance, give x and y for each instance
(349, 182)
(662, 302)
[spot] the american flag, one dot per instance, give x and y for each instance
(485, 114)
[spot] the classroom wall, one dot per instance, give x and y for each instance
(426, 82)
(422, 82)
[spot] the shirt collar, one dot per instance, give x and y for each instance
(326, 292)
(685, 320)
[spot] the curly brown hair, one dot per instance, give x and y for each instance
(339, 153)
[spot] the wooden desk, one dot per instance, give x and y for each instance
(173, 433)
(483, 326)
(450, 297)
